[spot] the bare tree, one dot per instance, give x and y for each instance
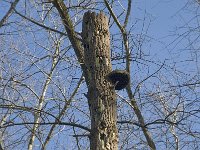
(51, 98)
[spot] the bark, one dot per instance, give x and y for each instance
(101, 94)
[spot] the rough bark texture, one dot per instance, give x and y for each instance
(101, 94)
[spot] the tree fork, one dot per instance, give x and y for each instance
(101, 93)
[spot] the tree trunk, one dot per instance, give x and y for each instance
(101, 94)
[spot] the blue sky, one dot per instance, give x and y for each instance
(165, 16)
(169, 19)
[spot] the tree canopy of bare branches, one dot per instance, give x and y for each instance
(44, 79)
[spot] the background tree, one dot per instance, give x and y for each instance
(42, 93)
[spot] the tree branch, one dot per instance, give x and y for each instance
(10, 11)
(67, 22)
(128, 89)
(128, 13)
(46, 123)
(41, 25)
(67, 103)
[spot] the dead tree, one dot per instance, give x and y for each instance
(101, 92)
